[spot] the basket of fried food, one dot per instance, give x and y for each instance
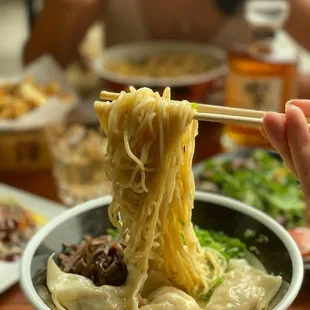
(26, 107)
(20, 98)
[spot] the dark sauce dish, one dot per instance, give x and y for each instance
(278, 252)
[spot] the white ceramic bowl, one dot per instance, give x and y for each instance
(279, 255)
(203, 87)
(129, 51)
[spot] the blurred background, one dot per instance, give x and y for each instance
(53, 66)
(57, 55)
(14, 31)
(17, 17)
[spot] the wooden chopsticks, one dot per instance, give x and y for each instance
(217, 114)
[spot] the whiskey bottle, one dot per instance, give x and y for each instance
(262, 74)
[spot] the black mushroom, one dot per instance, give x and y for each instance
(99, 259)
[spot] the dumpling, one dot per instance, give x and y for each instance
(154, 281)
(74, 292)
(244, 288)
(170, 298)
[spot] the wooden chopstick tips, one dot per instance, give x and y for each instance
(217, 114)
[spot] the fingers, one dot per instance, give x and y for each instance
(304, 105)
(274, 129)
(291, 138)
(298, 138)
(263, 132)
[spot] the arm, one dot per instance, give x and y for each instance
(60, 28)
(298, 23)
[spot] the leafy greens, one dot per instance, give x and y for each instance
(229, 247)
(259, 180)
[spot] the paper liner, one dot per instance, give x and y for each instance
(43, 70)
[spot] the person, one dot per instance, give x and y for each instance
(291, 139)
(62, 25)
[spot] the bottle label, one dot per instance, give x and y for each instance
(258, 93)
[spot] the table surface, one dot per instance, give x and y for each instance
(42, 183)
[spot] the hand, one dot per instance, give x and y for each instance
(291, 138)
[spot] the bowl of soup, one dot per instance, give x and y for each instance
(78, 258)
(195, 72)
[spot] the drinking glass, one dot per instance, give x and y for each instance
(79, 159)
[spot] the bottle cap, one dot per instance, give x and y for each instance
(264, 14)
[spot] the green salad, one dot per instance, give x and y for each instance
(260, 180)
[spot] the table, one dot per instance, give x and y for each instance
(39, 183)
(42, 183)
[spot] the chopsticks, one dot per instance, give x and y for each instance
(217, 114)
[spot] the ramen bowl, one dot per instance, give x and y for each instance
(206, 86)
(202, 86)
(280, 255)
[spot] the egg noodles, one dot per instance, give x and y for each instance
(150, 167)
(150, 151)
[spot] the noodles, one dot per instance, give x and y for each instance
(164, 64)
(150, 150)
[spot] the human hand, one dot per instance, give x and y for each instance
(291, 138)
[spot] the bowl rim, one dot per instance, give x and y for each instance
(242, 152)
(142, 48)
(277, 229)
